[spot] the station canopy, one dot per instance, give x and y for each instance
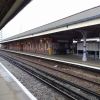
(9, 8)
(69, 27)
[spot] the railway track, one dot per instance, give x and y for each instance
(66, 72)
(59, 70)
(67, 88)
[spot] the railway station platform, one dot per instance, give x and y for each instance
(11, 88)
(69, 59)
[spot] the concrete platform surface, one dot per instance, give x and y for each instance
(11, 88)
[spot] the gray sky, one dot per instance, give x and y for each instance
(40, 12)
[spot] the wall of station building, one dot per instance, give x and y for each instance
(48, 45)
(43, 45)
(93, 48)
(37, 45)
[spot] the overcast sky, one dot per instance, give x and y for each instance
(40, 12)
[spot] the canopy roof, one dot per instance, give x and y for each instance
(84, 16)
(9, 8)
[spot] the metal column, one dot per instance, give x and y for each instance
(84, 58)
(84, 34)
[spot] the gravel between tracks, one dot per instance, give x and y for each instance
(38, 89)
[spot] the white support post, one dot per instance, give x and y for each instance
(77, 48)
(84, 58)
(99, 45)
